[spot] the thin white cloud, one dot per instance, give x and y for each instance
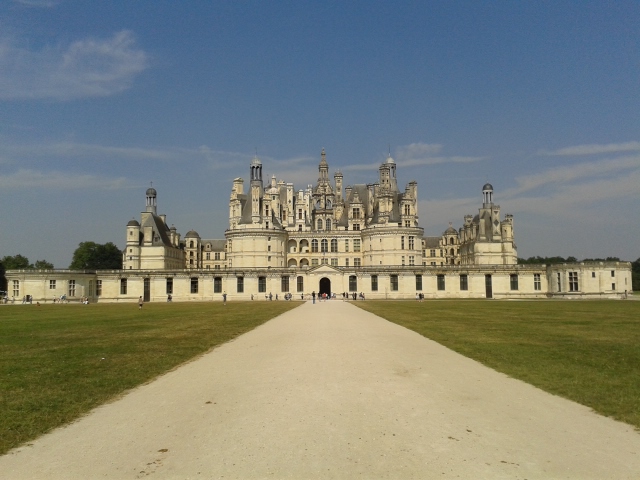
(25, 178)
(565, 174)
(420, 154)
(416, 162)
(583, 198)
(418, 150)
(595, 149)
(38, 3)
(86, 68)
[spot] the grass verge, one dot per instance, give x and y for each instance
(59, 361)
(586, 351)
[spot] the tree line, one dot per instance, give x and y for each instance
(95, 256)
(88, 256)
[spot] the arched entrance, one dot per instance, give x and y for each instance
(325, 286)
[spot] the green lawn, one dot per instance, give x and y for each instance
(587, 351)
(59, 361)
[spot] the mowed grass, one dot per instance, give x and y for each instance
(59, 361)
(586, 351)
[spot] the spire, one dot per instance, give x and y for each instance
(323, 168)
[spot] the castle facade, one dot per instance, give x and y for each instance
(328, 238)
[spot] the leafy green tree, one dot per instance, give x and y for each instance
(95, 256)
(16, 262)
(3, 279)
(43, 265)
(635, 275)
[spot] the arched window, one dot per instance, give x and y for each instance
(328, 224)
(314, 246)
(451, 241)
(319, 224)
(334, 245)
(324, 245)
(452, 252)
(191, 244)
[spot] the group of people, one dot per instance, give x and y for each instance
(420, 297)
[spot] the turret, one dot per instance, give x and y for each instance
(151, 201)
(487, 195)
(256, 190)
(338, 179)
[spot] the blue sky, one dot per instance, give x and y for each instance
(97, 99)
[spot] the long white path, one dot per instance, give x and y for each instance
(331, 391)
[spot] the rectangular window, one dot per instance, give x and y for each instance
(300, 214)
(440, 282)
(284, 284)
(16, 288)
(432, 253)
(559, 281)
(403, 260)
(123, 286)
(433, 264)
(217, 285)
(593, 274)
(300, 284)
(194, 284)
(314, 262)
(356, 213)
(262, 284)
(613, 286)
(346, 262)
(394, 283)
(374, 283)
(72, 288)
(418, 282)
(208, 256)
(411, 242)
(573, 281)
(412, 260)
(353, 283)
(513, 281)
(537, 284)
(613, 273)
(402, 242)
(52, 284)
(98, 288)
(334, 262)
(169, 286)
(91, 288)
(346, 245)
(356, 262)
(356, 226)
(216, 256)
(240, 285)
(464, 281)
(356, 244)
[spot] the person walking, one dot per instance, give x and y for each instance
(224, 298)
(140, 302)
(313, 295)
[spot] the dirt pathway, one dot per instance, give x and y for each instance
(331, 391)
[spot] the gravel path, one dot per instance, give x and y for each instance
(331, 391)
